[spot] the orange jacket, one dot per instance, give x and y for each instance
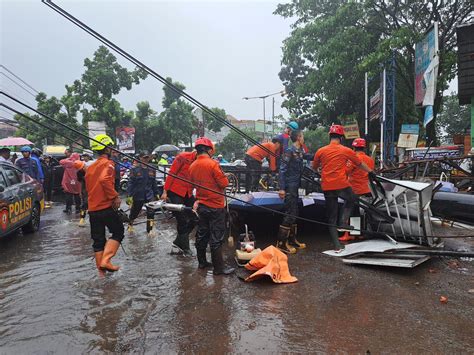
(208, 173)
(358, 178)
(100, 181)
(258, 153)
(333, 160)
(180, 167)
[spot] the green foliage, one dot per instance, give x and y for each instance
(51, 107)
(103, 78)
(234, 146)
(177, 118)
(453, 118)
(210, 122)
(316, 138)
(333, 43)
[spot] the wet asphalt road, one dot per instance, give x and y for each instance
(52, 300)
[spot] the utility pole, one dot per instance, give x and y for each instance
(273, 117)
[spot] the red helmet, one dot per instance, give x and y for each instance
(336, 129)
(205, 142)
(358, 143)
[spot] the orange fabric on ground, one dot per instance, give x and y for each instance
(273, 263)
(100, 182)
(208, 173)
(180, 167)
(259, 154)
(358, 178)
(333, 159)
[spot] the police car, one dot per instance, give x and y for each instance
(21, 201)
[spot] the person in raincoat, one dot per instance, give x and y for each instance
(70, 183)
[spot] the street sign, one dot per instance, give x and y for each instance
(351, 130)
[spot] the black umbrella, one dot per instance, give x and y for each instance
(166, 148)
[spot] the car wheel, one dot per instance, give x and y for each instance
(34, 223)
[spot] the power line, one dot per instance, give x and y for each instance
(15, 82)
(16, 76)
(151, 72)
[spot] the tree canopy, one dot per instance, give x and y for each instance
(453, 118)
(333, 43)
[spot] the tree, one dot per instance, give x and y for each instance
(51, 107)
(210, 122)
(334, 42)
(453, 118)
(234, 145)
(103, 78)
(316, 138)
(177, 118)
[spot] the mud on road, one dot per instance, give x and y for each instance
(53, 300)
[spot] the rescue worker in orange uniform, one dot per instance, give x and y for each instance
(210, 206)
(333, 159)
(181, 192)
(103, 201)
(254, 158)
(358, 178)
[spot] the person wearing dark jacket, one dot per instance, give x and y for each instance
(27, 164)
(291, 169)
(48, 166)
(141, 189)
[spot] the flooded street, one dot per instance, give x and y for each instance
(53, 300)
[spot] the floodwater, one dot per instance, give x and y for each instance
(52, 300)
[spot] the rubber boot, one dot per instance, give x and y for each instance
(202, 260)
(218, 262)
(182, 243)
(130, 228)
(110, 250)
(292, 238)
(149, 228)
(282, 243)
(82, 221)
(346, 237)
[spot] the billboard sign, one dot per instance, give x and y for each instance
(410, 128)
(125, 137)
(351, 130)
(426, 72)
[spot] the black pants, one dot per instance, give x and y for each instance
(211, 228)
(291, 205)
(73, 199)
(48, 188)
(185, 221)
(135, 211)
(101, 219)
(332, 210)
(252, 178)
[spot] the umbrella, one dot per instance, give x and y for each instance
(14, 141)
(166, 148)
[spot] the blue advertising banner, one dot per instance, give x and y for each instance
(410, 128)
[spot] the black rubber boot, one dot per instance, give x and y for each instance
(201, 256)
(292, 238)
(282, 243)
(218, 262)
(182, 243)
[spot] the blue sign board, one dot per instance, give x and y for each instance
(411, 128)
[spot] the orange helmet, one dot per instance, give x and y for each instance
(336, 129)
(79, 165)
(359, 143)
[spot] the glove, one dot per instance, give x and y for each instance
(129, 200)
(372, 175)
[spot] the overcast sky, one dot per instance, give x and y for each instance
(221, 50)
